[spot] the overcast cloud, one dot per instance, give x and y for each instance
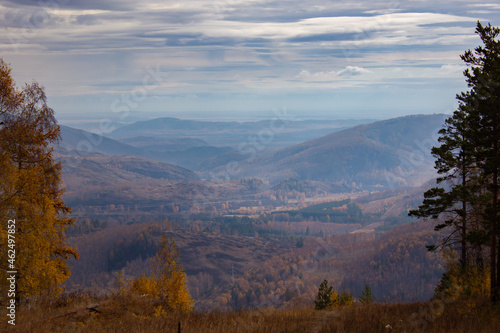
(235, 58)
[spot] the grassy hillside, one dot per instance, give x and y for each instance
(86, 313)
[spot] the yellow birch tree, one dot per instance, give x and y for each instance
(30, 190)
(167, 281)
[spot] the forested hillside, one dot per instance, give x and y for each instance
(389, 153)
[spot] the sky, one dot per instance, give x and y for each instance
(242, 59)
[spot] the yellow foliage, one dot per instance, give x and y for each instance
(168, 281)
(144, 286)
(30, 191)
(121, 285)
(334, 298)
(459, 283)
(160, 312)
(468, 283)
(345, 299)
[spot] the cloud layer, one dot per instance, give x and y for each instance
(244, 56)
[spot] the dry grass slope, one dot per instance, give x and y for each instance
(87, 313)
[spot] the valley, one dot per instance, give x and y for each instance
(255, 227)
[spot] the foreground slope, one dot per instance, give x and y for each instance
(124, 313)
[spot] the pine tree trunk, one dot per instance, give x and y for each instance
(495, 263)
(464, 219)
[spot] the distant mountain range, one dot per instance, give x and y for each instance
(389, 153)
(284, 132)
(198, 145)
(94, 160)
(84, 142)
(392, 152)
(184, 152)
(102, 170)
(164, 144)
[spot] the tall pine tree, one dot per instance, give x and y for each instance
(455, 165)
(468, 161)
(483, 77)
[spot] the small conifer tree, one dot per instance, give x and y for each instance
(324, 297)
(366, 296)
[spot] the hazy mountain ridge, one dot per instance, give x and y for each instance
(285, 131)
(365, 153)
(189, 153)
(197, 145)
(163, 144)
(90, 159)
(395, 151)
(86, 142)
(102, 170)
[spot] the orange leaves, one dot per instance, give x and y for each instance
(167, 282)
(30, 188)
